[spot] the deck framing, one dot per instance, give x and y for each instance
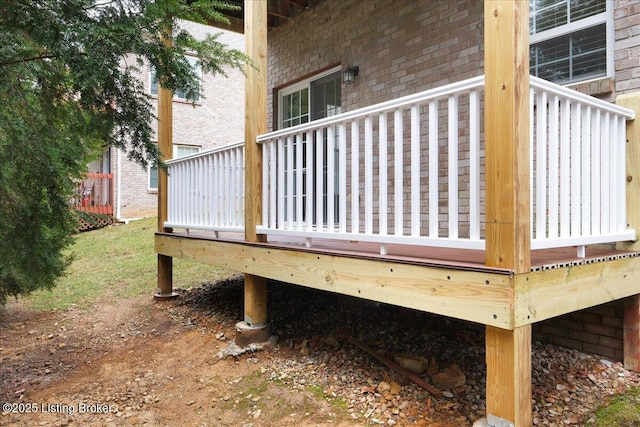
(498, 298)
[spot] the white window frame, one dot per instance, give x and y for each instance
(150, 169)
(296, 87)
(193, 60)
(606, 17)
(306, 83)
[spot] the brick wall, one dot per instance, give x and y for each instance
(627, 46)
(401, 47)
(595, 330)
(217, 119)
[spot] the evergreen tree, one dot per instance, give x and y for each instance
(68, 87)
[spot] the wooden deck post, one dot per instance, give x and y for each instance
(632, 102)
(508, 241)
(254, 328)
(631, 329)
(165, 145)
(509, 375)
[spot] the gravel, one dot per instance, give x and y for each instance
(567, 384)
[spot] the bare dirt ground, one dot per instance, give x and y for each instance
(140, 362)
(135, 361)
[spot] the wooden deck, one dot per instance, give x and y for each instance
(462, 259)
(450, 282)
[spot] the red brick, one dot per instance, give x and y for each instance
(600, 329)
(569, 343)
(600, 350)
(584, 336)
(610, 342)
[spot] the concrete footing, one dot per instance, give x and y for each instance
(247, 334)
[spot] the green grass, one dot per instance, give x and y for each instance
(117, 261)
(619, 411)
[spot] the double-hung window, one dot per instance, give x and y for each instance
(178, 151)
(308, 100)
(179, 94)
(571, 40)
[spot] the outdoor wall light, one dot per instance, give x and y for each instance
(349, 75)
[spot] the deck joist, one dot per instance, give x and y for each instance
(462, 288)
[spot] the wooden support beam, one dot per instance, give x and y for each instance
(478, 296)
(506, 37)
(631, 330)
(631, 338)
(165, 145)
(541, 295)
(508, 216)
(255, 300)
(255, 31)
(509, 374)
(632, 102)
(165, 278)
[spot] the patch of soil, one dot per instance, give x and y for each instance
(141, 362)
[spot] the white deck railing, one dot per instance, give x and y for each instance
(410, 171)
(578, 163)
(375, 174)
(206, 190)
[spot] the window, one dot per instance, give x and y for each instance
(178, 151)
(571, 40)
(179, 94)
(306, 101)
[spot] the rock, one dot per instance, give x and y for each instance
(433, 366)
(414, 363)
(384, 387)
(395, 388)
(451, 378)
(482, 422)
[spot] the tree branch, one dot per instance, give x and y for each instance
(25, 60)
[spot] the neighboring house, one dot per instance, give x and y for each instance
(216, 119)
(404, 155)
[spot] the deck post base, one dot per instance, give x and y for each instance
(247, 334)
(161, 296)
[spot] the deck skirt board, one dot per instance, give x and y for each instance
(545, 294)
